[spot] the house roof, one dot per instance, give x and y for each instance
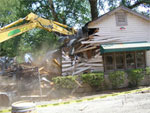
(117, 9)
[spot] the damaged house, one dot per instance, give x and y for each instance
(117, 40)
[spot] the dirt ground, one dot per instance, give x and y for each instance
(128, 103)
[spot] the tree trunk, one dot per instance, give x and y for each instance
(94, 10)
(53, 10)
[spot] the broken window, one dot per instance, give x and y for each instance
(92, 31)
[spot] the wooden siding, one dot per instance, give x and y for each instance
(77, 67)
(137, 29)
(149, 32)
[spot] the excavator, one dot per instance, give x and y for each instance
(32, 21)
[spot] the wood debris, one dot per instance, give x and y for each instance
(82, 54)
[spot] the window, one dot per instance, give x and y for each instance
(130, 60)
(140, 58)
(124, 60)
(109, 64)
(119, 61)
(121, 19)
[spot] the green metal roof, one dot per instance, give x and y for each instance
(132, 46)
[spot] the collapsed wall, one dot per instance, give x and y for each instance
(80, 55)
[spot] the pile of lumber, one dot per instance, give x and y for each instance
(81, 57)
(82, 54)
(77, 67)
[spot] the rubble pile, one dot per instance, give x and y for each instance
(27, 78)
(82, 56)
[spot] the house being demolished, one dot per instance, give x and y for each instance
(79, 55)
(117, 40)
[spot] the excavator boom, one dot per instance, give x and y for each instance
(33, 21)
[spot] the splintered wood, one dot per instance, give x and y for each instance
(85, 53)
(86, 57)
(77, 67)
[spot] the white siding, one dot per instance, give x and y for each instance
(148, 58)
(148, 52)
(149, 32)
(137, 29)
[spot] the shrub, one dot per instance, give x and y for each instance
(116, 78)
(135, 76)
(147, 71)
(68, 82)
(93, 79)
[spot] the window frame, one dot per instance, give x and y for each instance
(121, 53)
(104, 57)
(124, 61)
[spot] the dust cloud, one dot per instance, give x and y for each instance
(23, 81)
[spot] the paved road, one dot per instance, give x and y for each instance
(129, 103)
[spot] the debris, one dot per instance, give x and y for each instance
(76, 54)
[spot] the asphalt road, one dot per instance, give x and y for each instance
(128, 103)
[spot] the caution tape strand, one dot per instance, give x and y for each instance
(84, 99)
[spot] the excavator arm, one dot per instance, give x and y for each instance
(33, 21)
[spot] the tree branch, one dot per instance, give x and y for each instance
(139, 2)
(53, 10)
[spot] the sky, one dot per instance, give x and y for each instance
(139, 8)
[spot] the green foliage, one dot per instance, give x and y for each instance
(71, 12)
(147, 71)
(133, 4)
(117, 78)
(8, 11)
(67, 82)
(135, 76)
(11, 10)
(93, 79)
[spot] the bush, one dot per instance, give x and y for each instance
(68, 82)
(147, 71)
(135, 76)
(93, 79)
(116, 78)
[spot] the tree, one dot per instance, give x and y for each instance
(70, 12)
(114, 3)
(8, 14)
(53, 10)
(94, 10)
(73, 12)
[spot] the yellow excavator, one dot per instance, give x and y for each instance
(33, 21)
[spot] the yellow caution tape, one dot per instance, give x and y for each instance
(5, 111)
(84, 99)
